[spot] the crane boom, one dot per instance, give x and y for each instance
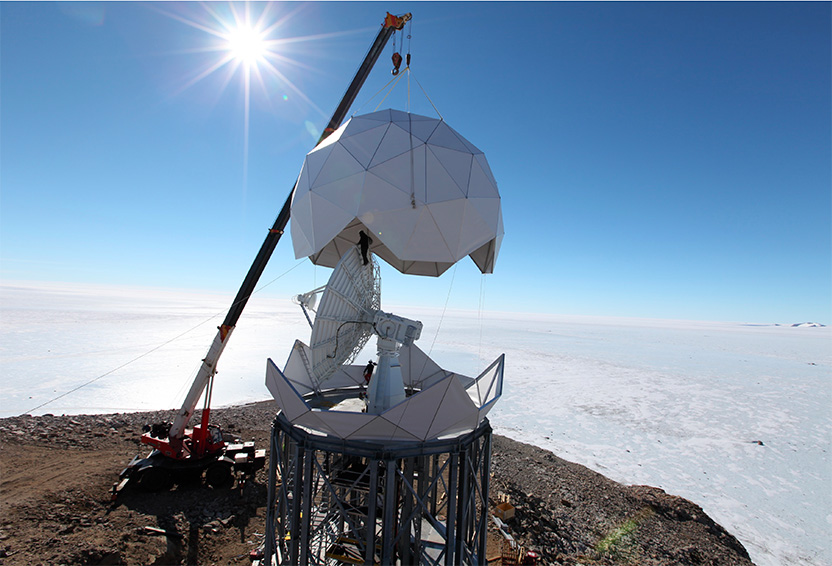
(209, 363)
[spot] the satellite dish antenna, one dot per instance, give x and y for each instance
(348, 314)
(344, 317)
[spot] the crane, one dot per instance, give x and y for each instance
(178, 451)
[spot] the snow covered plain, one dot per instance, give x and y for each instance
(737, 418)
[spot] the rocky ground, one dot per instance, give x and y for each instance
(55, 507)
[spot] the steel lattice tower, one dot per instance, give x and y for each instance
(431, 499)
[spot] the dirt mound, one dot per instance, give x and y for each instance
(55, 508)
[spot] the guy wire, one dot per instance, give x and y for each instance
(160, 346)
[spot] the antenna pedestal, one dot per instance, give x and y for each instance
(387, 385)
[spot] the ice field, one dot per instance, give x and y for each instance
(735, 417)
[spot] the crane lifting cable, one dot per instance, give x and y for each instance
(397, 55)
(388, 89)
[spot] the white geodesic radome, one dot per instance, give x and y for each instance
(424, 193)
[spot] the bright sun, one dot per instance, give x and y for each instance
(246, 45)
(242, 36)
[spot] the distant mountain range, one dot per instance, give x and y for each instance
(795, 325)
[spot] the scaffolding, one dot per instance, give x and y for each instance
(334, 501)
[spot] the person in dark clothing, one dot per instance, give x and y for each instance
(368, 371)
(364, 242)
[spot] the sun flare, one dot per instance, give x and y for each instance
(247, 42)
(246, 45)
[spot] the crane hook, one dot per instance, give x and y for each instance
(397, 62)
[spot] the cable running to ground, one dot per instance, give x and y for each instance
(479, 315)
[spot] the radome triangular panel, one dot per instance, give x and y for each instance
(302, 183)
(328, 141)
(467, 421)
(363, 145)
(445, 137)
(427, 242)
(406, 172)
(377, 429)
(340, 165)
(440, 185)
(346, 423)
(457, 164)
(420, 412)
(395, 142)
(329, 219)
(378, 196)
(315, 421)
(398, 116)
(486, 168)
(449, 216)
(423, 127)
(488, 208)
(296, 371)
(416, 365)
(394, 228)
(315, 160)
(287, 399)
(344, 193)
(359, 124)
(301, 227)
(378, 116)
(394, 413)
(474, 231)
(469, 147)
(455, 407)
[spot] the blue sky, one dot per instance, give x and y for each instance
(661, 160)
